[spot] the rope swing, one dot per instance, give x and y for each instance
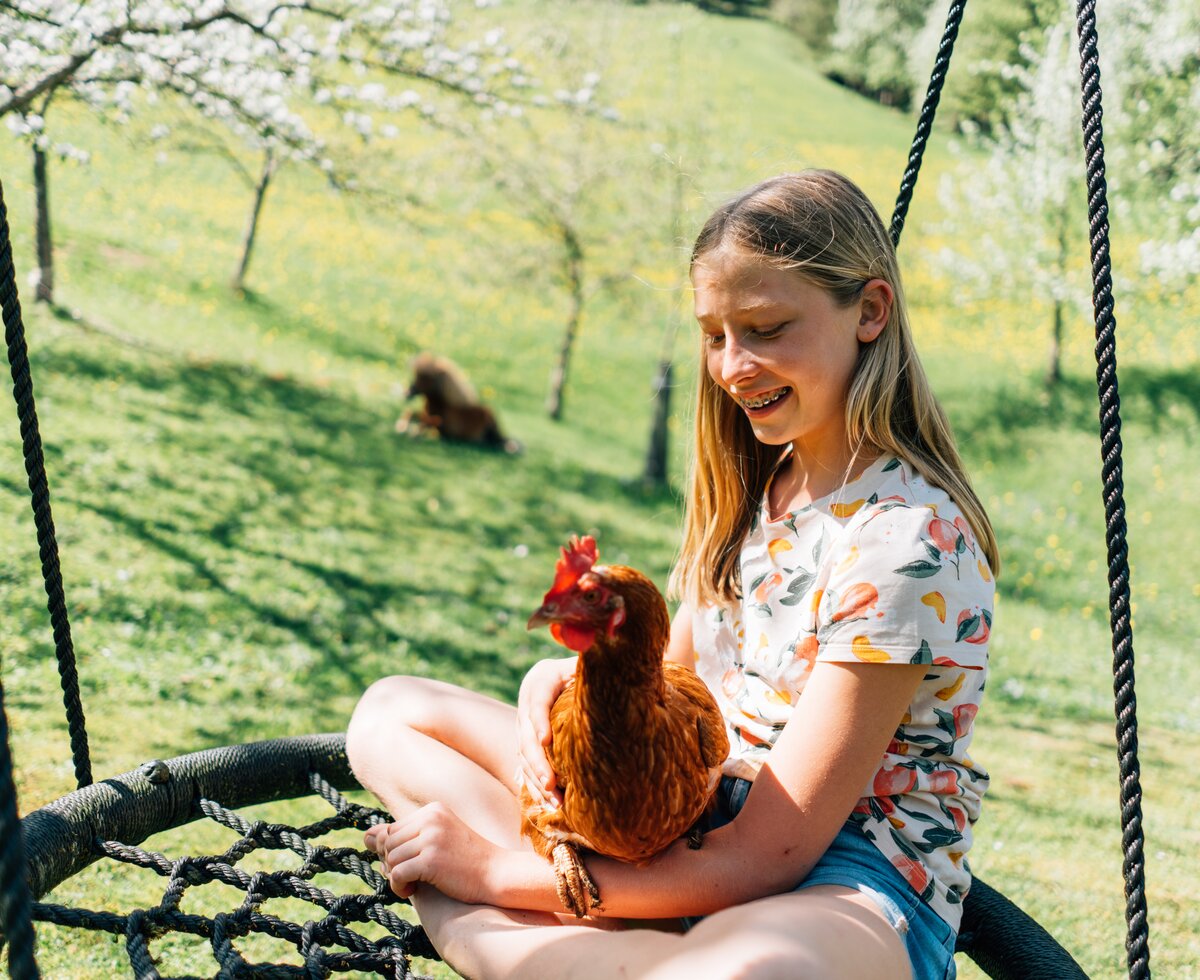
(111, 819)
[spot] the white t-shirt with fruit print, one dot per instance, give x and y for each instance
(885, 570)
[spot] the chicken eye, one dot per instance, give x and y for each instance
(591, 596)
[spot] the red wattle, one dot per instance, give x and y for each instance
(576, 638)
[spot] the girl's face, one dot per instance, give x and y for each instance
(782, 348)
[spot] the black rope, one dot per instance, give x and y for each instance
(933, 95)
(16, 922)
(1137, 943)
(39, 489)
(388, 957)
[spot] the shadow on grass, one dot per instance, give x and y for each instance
(996, 422)
(391, 346)
(239, 457)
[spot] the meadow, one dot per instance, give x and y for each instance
(247, 544)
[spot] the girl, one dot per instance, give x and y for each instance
(837, 599)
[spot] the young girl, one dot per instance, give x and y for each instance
(836, 578)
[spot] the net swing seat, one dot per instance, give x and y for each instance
(112, 818)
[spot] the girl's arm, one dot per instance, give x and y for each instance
(680, 649)
(814, 775)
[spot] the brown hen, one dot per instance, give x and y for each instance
(637, 744)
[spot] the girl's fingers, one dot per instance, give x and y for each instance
(539, 690)
(374, 836)
(536, 773)
(533, 754)
(402, 880)
(535, 770)
(385, 838)
(396, 847)
(399, 855)
(542, 788)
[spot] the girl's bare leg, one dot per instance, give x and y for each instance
(830, 931)
(413, 740)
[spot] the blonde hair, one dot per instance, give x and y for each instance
(820, 225)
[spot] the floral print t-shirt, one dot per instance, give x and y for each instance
(885, 570)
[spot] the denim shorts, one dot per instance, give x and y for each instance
(855, 862)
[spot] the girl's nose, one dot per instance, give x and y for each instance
(737, 364)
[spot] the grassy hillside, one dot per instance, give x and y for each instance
(247, 544)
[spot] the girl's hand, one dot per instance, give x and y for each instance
(539, 690)
(434, 846)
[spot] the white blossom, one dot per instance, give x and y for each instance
(250, 64)
(1015, 205)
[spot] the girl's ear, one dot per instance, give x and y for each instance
(875, 306)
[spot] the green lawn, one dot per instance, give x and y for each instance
(247, 544)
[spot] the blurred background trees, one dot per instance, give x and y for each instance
(271, 83)
(1015, 205)
(276, 75)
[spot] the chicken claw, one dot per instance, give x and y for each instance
(576, 890)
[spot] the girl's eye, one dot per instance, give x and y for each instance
(714, 339)
(769, 332)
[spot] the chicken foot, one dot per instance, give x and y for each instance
(576, 889)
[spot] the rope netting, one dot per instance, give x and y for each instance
(326, 944)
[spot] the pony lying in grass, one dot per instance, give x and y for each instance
(452, 409)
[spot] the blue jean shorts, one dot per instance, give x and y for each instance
(855, 862)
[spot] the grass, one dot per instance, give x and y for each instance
(247, 545)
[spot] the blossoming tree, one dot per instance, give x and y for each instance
(262, 68)
(1016, 202)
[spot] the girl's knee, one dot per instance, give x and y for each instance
(388, 705)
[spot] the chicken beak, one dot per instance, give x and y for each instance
(543, 617)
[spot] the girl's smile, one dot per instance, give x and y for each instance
(762, 402)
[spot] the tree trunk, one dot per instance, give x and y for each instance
(574, 270)
(44, 289)
(655, 474)
(238, 283)
(1054, 367)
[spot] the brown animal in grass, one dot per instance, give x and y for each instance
(452, 409)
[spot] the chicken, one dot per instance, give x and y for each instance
(636, 743)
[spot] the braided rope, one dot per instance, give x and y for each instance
(387, 957)
(933, 95)
(1137, 943)
(39, 488)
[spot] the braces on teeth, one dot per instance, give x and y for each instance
(761, 402)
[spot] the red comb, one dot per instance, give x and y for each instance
(578, 557)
